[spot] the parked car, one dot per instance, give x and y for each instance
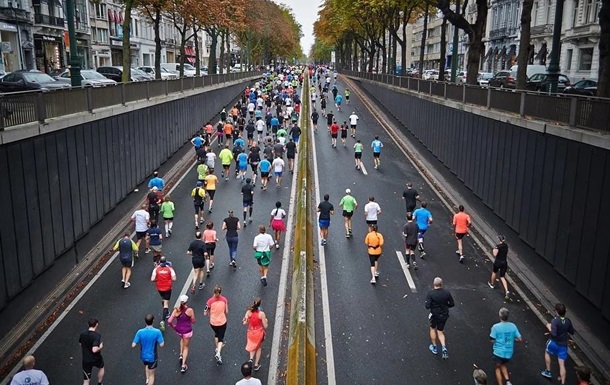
(165, 73)
(203, 71)
(531, 69)
(89, 78)
(430, 75)
(29, 80)
(460, 77)
(2, 74)
(582, 87)
(116, 73)
(483, 78)
(541, 82)
(141, 75)
(503, 79)
(189, 70)
(56, 72)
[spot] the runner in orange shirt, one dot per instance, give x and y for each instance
(209, 131)
(228, 132)
(217, 308)
(461, 222)
(374, 243)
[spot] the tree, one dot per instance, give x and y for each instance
(603, 85)
(154, 9)
(126, 41)
(524, 43)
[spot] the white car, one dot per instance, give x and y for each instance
(189, 70)
(89, 78)
(165, 73)
(483, 78)
(430, 75)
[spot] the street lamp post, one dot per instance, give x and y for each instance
(74, 62)
(553, 70)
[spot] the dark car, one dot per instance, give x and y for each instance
(29, 81)
(503, 79)
(541, 82)
(582, 87)
(116, 73)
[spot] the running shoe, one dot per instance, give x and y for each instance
(373, 281)
(207, 273)
(546, 373)
(146, 251)
(183, 369)
(201, 286)
(209, 211)
(245, 224)
(347, 235)
(201, 221)
(433, 349)
(196, 226)
(415, 266)
(377, 273)
(218, 358)
(507, 295)
(445, 354)
(508, 382)
(126, 285)
(162, 326)
(422, 255)
(257, 367)
(211, 266)
(491, 285)
(166, 235)
(264, 281)
(277, 246)
(250, 220)
(408, 266)
(170, 232)
(461, 259)
(233, 263)
(457, 252)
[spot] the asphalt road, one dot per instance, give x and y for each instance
(121, 311)
(380, 332)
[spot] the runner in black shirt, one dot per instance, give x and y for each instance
(250, 131)
(411, 196)
(438, 301)
(231, 224)
(410, 231)
(90, 342)
(500, 266)
(291, 149)
(314, 119)
(329, 119)
(254, 158)
(247, 193)
(197, 250)
(326, 209)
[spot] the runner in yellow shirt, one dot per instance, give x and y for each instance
(226, 158)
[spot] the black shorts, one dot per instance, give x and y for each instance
(334, 136)
(438, 323)
(373, 259)
(348, 214)
(358, 155)
(209, 248)
(343, 134)
(352, 126)
(459, 235)
(371, 222)
(254, 168)
(165, 295)
(290, 155)
(250, 135)
(150, 364)
(500, 268)
(126, 262)
(198, 207)
(88, 368)
(198, 263)
(168, 219)
(410, 208)
(376, 154)
(500, 360)
(265, 174)
(219, 332)
(211, 193)
(410, 247)
(140, 235)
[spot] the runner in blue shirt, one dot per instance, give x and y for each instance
(239, 142)
(265, 167)
(242, 164)
(423, 218)
(376, 146)
(338, 101)
(197, 142)
(503, 335)
(149, 338)
(157, 182)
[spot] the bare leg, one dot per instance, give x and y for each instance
(562, 370)
(433, 336)
(441, 338)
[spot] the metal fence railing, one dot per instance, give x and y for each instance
(585, 112)
(36, 106)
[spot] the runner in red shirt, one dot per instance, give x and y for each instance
(334, 131)
(461, 222)
(164, 276)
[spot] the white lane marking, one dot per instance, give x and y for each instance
(363, 169)
(283, 284)
(328, 336)
(407, 272)
(80, 295)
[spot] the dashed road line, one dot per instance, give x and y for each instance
(406, 270)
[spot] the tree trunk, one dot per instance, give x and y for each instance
(384, 52)
(222, 52)
(393, 54)
(197, 60)
(476, 42)
(524, 43)
(422, 49)
(228, 45)
(443, 61)
(403, 49)
(355, 66)
(156, 24)
(603, 85)
(182, 50)
(213, 32)
(127, 42)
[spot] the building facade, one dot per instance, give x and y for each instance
(502, 38)
(432, 53)
(580, 39)
(16, 39)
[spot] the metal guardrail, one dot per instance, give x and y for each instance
(591, 113)
(37, 106)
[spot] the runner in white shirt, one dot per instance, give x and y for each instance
(353, 121)
(251, 107)
(260, 126)
(262, 252)
(141, 218)
(278, 167)
(371, 210)
(210, 159)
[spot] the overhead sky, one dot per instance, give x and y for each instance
(306, 13)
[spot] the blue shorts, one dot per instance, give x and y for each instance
(295, 139)
(248, 203)
(420, 233)
(243, 167)
(338, 103)
(324, 223)
(278, 173)
(554, 348)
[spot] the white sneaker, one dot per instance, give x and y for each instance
(377, 274)
(373, 281)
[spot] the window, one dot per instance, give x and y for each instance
(102, 35)
(509, 14)
(536, 10)
(549, 13)
(569, 59)
(100, 11)
(586, 57)
(589, 11)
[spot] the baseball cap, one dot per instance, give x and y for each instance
(183, 298)
(199, 183)
(348, 191)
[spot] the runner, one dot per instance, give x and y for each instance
(154, 202)
(560, 328)
(410, 196)
(374, 243)
(276, 222)
(461, 223)
(338, 101)
(141, 218)
(438, 301)
(330, 118)
(291, 149)
(210, 239)
(219, 133)
(250, 128)
(226, 157)
(210, 187)
(376, 145)
(256, 320)
(326, 209)
(262, 252)
(349, 205)
(334, 131)
(149, 339)
(275, 125)
(314, 119)
(358, 154)
(295, 133)
(197, 250)
(202, 171)
(323, 105)
(246, 371)
(347, 94)
(210, 159)
(231, 225)
(247, 193)
(278, 169)
(500, 266)
(343, 129)
(254, 158)
(223, 115)
(185, 318)
(154, 239)
(29, 375)
(242, 164)
(423, 218)
(371, 211)
(126, 248)
(167, 212)
(197, 142)
(503, 335)
(91, 346)
(260, 128)
(217, 308)
(156, 181)
(410, 232)
(209, 131)
(198, 195)
(265, 167)
(353, 121)
(163, 276)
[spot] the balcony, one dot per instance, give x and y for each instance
(502, 33)
(546, 29)
(15, 14)
(53, 21)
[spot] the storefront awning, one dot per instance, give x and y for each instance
(190, 60)
(189, 51)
